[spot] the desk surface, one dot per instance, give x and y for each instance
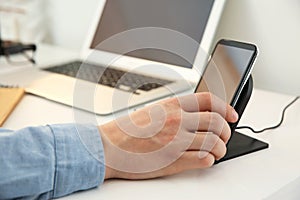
(267, 174)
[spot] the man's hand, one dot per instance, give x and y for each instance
(168, 137)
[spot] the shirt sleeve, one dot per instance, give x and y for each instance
(50, 161)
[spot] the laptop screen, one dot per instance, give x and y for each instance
(186, 16)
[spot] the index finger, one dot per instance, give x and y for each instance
(205, 101)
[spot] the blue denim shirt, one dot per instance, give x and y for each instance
(50, 161)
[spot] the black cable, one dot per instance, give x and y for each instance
(271, 127)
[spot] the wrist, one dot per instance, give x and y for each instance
(109, 173)
(106, 131)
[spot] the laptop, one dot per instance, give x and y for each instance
(137, 51)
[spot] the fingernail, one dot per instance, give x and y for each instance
(202, 154)
(235, 115)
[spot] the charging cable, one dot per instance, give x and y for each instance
(271, 127)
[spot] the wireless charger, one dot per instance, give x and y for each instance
(240, 144)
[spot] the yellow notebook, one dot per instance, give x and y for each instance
(9, 98)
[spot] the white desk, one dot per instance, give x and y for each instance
(275, 171)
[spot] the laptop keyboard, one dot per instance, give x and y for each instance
(114, 78)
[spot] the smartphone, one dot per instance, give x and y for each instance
(228, 70)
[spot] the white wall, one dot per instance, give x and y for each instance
(69, 21)
(274, 25)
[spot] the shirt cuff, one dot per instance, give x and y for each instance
(79, 158)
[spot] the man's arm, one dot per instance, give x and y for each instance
(174, 135)
(50, 161)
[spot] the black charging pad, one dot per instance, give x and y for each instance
(240, 144)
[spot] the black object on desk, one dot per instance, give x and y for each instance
(8, 48)
(240, 144)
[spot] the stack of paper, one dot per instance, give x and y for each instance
(9, 98)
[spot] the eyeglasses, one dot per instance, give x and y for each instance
(18, 53)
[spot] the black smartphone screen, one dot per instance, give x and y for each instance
(228, 70)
